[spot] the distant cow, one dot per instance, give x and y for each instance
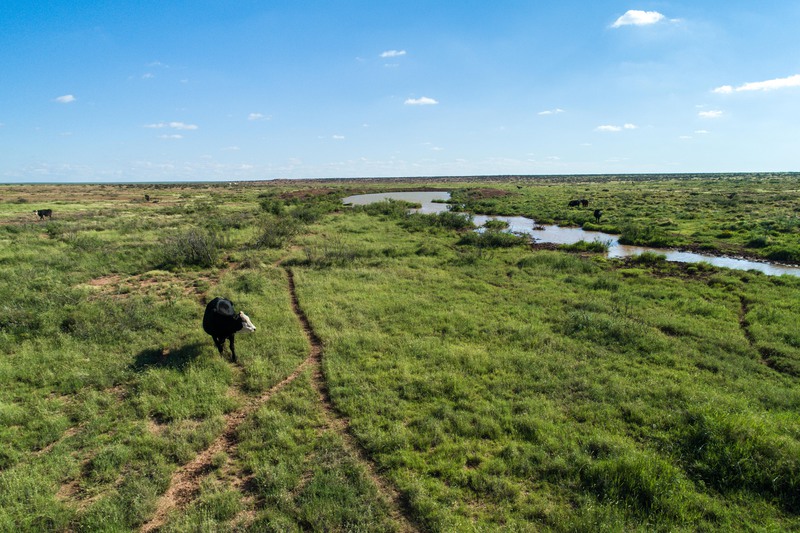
(574, 203)
(584, 202)
(222, 322)
(44, 213)
(597, 215)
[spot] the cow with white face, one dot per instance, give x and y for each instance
(221, 321)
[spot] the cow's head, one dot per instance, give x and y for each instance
(247, 326)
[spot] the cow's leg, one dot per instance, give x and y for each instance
(219, 343)
(233, 352)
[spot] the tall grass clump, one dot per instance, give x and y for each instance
(331, 252)
(649, 258)
(200, 248)
(492, 239)
(644, 235)
(389, 207)
(275, 232)
(272, 206)
(734, 453)
(495, 225)
(446, 220)
(596, 246)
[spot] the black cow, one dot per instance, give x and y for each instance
(222, 322)
(44, 213)
(597, 215)
(584, 202)
(574, 203)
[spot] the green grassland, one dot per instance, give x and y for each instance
(467, 383)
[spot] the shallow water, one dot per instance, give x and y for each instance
(558, 235)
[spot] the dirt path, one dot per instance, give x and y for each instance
(186, 480)
(335, 421)
(766, 355)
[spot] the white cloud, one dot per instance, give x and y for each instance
(231, 149)
(338, 137)
(173, 136)
(634, 17)
(685, 137)
(610, 128)
(710, 114)
(393, 53)
(148, 76)
(768, 85)
(701, 132)
(258, 116)
(551, 111)
(66, 99)
(421, 101)
(173, 125)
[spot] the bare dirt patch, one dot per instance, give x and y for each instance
(482, 194)
(305, 194)
(162, 284)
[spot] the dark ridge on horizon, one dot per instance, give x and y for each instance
(488, 177)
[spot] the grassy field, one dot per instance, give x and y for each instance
(406, 374)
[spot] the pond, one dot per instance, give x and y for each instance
(433, 202)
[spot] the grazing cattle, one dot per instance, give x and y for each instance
(222, 322)
(597, 215)
(44, 213)
(584, 202)
(574, 203)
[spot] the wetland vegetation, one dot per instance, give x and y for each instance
(408, 373)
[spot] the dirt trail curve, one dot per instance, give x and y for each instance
(765, 354)
(185, 482)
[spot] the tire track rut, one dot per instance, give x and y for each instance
(399, 509)
(185, 482)
(766, 355)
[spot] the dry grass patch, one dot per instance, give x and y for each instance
(158, 283)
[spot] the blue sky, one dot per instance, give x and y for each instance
(238, 90)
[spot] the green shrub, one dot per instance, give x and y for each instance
(495, 225)
(791, 255)
(276, 232)
(595, 246)
(389, 207)
(272, 206)
(492, 239)
(649, 258)
(193, 248)
(644, 235)
(446, 220)
(308, 214)
(760, 241)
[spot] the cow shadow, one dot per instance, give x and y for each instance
(174, 359)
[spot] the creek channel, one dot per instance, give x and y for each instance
(434, 202)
